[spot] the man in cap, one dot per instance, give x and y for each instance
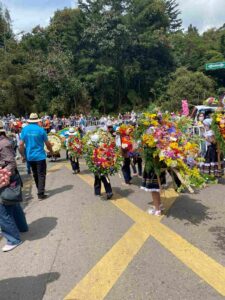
(34, 138)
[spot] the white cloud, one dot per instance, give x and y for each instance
(26, 14)
(203, 14)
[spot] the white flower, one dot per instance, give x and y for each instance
(124, 146)
(162, 155)
(95, 138)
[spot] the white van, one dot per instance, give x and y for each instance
(206, 110)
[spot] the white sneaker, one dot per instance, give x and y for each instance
(142, 188)
(154, 212)
(8, 248)
(147, 190)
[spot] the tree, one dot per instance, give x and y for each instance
(17, 82)
(173, 11)
(65, 29)
(222, 44)
(107, 55)
(5, 27)
(193, 86)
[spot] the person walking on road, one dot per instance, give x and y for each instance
(34, 137)
(106, 182)
(12, 218)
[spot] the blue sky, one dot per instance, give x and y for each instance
(26, 14)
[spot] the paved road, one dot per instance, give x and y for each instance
(80, 247)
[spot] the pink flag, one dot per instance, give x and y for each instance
(185, 108)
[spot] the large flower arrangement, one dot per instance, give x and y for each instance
(75, 146)
(218, 127)
(167, 147)
(101, 154)
(55, 141)
(126, 134)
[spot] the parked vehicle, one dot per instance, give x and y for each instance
(199, 109)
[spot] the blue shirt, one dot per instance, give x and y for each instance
(34, 138)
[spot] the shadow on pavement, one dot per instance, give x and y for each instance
(26, 288)
(186, 208)
(60, 190)
(86, 172)
(219, 233)
(118, 192)
(221, 181)
(136, 181)
(40, 228)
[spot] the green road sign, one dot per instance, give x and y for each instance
(215, 66)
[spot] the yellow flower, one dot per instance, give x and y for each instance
(154, 123)
(148, 140)
(146, 123)
(174, 145)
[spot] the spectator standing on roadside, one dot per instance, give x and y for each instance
(33, 137)
(12, 218)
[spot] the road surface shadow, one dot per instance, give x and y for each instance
(27, 197)
(136, 181)
(60, 190)
(219, 233)
(221, 181)
(85, 172)
(26, 288)
(40, 228)
(118, 192)
(186, 208)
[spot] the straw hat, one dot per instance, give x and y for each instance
(33, 118)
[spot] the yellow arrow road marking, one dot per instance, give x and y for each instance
(200, 263)
(98, 282)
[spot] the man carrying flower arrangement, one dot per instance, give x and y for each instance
(75, 149)
(126, 135)
(102, 158)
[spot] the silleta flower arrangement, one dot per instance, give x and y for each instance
(126, 134)
(55, 141)
(165, 146)
(218, 127)
(101, 154)
(75, 146)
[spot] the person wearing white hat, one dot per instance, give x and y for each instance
(73, 160)
(34, 137)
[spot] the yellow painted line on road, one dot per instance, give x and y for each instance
(200, 263)
(131, 210)
(98, 282)
(55, 168)
(94, 286)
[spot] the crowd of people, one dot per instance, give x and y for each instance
(14, 124)
(32, 143)
(27, 138)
